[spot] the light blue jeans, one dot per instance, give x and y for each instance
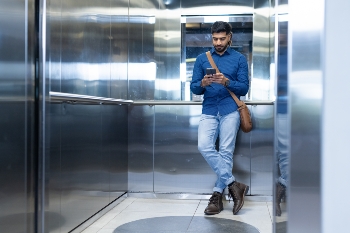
(226, 127)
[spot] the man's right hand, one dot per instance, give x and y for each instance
(206, 81)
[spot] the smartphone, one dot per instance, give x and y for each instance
(210, 71)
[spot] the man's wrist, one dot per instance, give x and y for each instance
(227, 82)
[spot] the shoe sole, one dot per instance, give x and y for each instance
(212, 213)
(245, 193)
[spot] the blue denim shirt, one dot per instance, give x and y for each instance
(233, 65)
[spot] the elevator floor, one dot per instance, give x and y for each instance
(180, 216)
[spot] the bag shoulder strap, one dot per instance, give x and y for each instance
(212, 63)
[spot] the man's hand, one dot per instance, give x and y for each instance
(219, 78)
(207, 80)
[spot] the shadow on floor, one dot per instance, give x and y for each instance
(186, 224)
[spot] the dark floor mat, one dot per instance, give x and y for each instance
(189, 224)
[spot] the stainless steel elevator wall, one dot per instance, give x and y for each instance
(87, 145)
(306, 40)
(88, 47)
(16, 116)
(87, 167)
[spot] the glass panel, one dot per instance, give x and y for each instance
(196, 39)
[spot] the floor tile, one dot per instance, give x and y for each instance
(183, 214)
(253, 213)
(163, 206)
(126, 217)
(106, 231)
(91, 229)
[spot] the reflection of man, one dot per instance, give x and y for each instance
(281, 123)
(282, 157)
(220, 117)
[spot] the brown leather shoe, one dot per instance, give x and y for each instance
(215, 205)
(280, 193)
(237, 191)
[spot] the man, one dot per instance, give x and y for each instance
(220, 117)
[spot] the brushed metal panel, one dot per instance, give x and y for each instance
(260, 83)
(114, 128)
(262, 148)
(13, 176)
(141, 142)
(17, 116)
(305, 88)
(54, 220)
(168, 51)
(54, 43)
(85, 47)
(178, 165)
(87, 164)
(119, 50)
(87, 54)
(142, 63)
(84, 166)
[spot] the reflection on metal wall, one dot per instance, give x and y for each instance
(281, 174)
(168, 51)
(141, 143)
(17, 116)
(87, 47)
(305, 90)
(142, 63)
(262, 150)
(154, 50)
(88, 162)
(86, 158)
(261, 85)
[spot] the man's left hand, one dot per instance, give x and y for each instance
(219, 78)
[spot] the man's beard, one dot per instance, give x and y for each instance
(221, 48)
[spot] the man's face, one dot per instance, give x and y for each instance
(221, 41)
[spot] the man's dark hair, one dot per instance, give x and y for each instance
(220, 26)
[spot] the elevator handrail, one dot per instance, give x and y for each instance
(172, 102)
(74, 98)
